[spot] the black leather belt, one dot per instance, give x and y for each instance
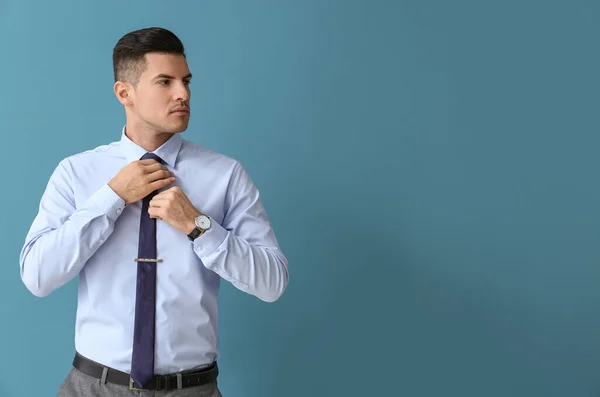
(159, 382)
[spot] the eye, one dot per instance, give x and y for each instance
(163, 82)
(187, 82)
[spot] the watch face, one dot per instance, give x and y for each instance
(203, 222)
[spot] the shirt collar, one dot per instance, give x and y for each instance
(168, 151)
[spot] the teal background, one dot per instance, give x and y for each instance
(430, 168)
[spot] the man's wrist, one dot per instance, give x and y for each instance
(191, 226)
(192, 222)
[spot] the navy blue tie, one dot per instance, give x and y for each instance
(142, 361)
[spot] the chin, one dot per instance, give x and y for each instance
(177, 128)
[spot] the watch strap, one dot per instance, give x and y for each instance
(194, 234)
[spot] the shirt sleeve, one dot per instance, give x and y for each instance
(244, 249)
(62, 237)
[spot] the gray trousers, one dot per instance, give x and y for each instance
(78, 384)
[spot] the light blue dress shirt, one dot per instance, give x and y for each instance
(84, 228)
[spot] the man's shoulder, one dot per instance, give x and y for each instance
(198, 152)
(91, 154)
(104, 149)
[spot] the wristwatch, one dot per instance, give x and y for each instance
(202, 225)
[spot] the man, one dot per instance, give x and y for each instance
(150, 223)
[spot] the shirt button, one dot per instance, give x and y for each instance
(101, 241)
(119, 211)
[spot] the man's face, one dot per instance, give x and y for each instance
(161, 99)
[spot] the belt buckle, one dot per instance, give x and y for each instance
(132, 385)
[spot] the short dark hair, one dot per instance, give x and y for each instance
(130, 51)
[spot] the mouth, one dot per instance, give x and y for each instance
(180, 111)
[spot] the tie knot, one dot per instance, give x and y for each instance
(152, 156)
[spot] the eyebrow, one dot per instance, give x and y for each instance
(166, 76)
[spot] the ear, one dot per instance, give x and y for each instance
(124, 93)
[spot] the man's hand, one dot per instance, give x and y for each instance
(140, 178)
(175, 208)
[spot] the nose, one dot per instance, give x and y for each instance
(182, 92)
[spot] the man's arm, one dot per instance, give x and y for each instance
(62, 237)
(244, 249)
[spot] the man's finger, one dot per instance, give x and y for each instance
(159, 184)
(153, 166)
(158, 203)
(154, 213)
(159, 174)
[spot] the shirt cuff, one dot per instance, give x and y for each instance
(108, 202)
(212, 239)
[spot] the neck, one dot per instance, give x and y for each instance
(145, 137)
